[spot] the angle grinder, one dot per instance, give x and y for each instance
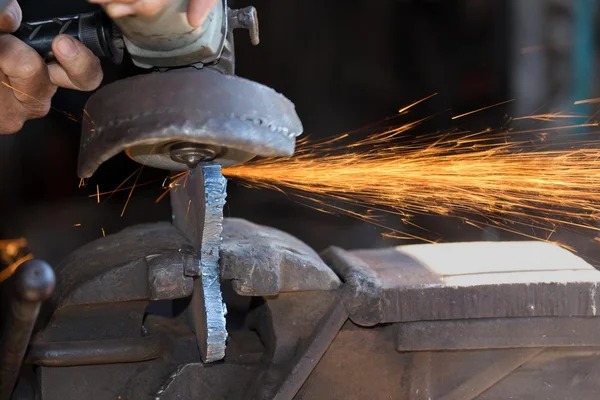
(190, 107)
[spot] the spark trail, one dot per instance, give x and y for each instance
(503, 179)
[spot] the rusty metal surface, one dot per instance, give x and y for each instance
(297, 329)
(191, 381)
(147, 113)
(408, 284)
(94, 352)
(131, 380)
(361, 363)
(498, 333)
(263, 261)
(95, 322)
(198, 214)
(114, 268)
(167, 275)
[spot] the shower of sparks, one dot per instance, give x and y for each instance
(482, 109)
(514, 180)
(504, 179)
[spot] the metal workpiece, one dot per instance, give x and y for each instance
(465, 280)
(264, 261)
(149, 115)
(198, 214)
(23, 294)
(168, 40)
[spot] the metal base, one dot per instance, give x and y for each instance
(456, 321)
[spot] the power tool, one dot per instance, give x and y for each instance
(190, 108)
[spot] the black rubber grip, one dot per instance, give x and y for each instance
(94, 30)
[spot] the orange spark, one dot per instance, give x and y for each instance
(411, 105)
(482, 109)
(103, 233)
(587, 101)
(76, 225)
(132, 189)
(14, 89)
(98, 193)
(174, 182)
(119, 188)
(549, 117)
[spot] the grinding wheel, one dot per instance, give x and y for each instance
(163, 119)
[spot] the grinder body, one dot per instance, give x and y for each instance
(190, 108)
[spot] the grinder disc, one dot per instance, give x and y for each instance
(149, 116)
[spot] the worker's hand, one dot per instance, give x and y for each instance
(197, 11)
(27, 84)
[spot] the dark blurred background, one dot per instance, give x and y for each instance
(345, 64)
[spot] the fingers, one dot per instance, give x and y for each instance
(11, 18)
(198, 11)
(25, 87)
(79, 68)
(122, 8)
(27, 76)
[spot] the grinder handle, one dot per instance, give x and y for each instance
(94, 30)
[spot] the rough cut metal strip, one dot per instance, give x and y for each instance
(198, 212)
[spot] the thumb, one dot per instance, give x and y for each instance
(11, 17)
